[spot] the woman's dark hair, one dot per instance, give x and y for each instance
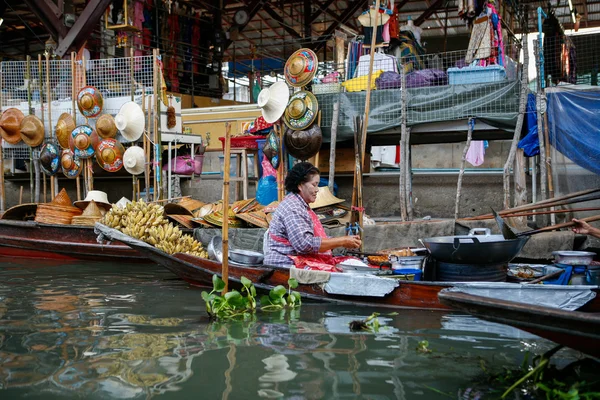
(300, 173)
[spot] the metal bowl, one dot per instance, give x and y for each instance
(215, 249)
(573, 257)
(246, 257)
(411, 262)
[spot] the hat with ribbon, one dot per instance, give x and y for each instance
(301, 111)
(10, 125)
(303, 144)
(90, 102)
(71, 164)
(109, 155)
(84, 141)
(273, 101)
(32, 131)
(50, 159)
(98, 196)
(134, 160)
(106, 127)
(325, 198)
(130, 121)
(301, 67)
(373, 18)
(63, 129)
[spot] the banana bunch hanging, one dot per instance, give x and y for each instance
(145, 221)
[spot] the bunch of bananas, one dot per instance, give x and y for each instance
(145, 221)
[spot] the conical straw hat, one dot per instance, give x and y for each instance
(130, 121)
(106, 127)
(109, 155)
(92, 210)
(90, 102)
(62, 199)
(10, 125)
(134, 160)
(273, 101)
(325, 198)
(301, 67)
(32, 131)
(63, 129)
(191, 204)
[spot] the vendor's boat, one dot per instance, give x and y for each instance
(357, 289)
(67, 242)
(579, 330)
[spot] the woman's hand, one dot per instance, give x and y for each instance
(584, 228)
(351, 242)
(348, 242)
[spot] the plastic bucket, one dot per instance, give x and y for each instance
(408, 274)
(592, 276)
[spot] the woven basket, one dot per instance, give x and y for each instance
(86, 221)
(54, 214)
(62, 199)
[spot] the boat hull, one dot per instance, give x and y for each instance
(60, 242)
(575, 329)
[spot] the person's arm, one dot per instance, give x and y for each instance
(348, 242)
(584, 228)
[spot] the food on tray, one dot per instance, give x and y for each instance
(376, 260)
(402, 253)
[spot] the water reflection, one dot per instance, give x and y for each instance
(106, 331)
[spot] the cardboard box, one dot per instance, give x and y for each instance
(344, 161)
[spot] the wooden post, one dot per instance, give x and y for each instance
(2, 194)
(519, 190)
(41, 80)
(29, 111)
(158, 143)
(541, 140)
(462, 167)
(21, 195)
(53, 179)
(549, 164)
(131, 77)
(404, 151)
(225, 231)
(334, 127)
(74, 92)
(148, 148)
(520, 181)
(280, 185)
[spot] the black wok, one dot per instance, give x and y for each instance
(474, 249)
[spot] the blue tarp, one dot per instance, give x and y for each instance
(574, 125)
(242, 68)
(531, 143)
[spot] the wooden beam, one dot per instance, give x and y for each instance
(321, 7)
(53, 24)
(281, 22)
(84, 25)
(427, 13)
(352, 8)
(57, 12)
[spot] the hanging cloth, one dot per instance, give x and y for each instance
(476, 153)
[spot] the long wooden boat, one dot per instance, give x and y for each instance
(199, 272)
(579, 330)
(64, 242)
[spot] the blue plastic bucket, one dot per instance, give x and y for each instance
(409, 274)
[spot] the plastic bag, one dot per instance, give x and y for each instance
(266, 192)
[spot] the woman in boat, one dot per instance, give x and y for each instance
(295, 228)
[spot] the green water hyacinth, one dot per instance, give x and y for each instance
(232, 305)
(279, 297)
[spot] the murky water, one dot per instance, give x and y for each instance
(99, 331)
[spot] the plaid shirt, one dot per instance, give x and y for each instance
(291, 222)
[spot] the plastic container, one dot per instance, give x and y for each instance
(242, 142)
(408, 274)
(592, 276)
(233, 166)
(469, 75)
(324, 88)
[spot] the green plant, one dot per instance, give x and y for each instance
(232, 304)
(277, 299)
(423, 347)
(371, 323)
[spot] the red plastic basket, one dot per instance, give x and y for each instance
(242, 142)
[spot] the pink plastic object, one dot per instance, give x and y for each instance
(331, 78)
(182, 165)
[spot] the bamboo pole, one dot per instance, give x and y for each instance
(567, 210)
(74, 112)
(53, 179)
(30, 112)
(334, 127)
(463, 161)
(510, 160)
(21, 195)
(225, 231)
(549, 163)
(404, 152)
(541, 140)
(2, 188)
(41, 79)
(280, 185)
(131, 77)
(157, 118)
(148, 144)
(156, 91)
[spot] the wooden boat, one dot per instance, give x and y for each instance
(65, 242)
(199, 272)
(579, 330)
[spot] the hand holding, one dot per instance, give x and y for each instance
(351, 242)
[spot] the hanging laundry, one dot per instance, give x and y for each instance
(476, 153)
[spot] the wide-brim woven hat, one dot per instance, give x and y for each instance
(106, 127)
(192, 205)
(301, 67)
(100, 197)
(242, 206)
(10, 125)
(32, 131)
(273, 101)
(21, 212)
(130, 121)
(176, 209)
(216, 218)
(63, 129)
(134, 160)
(373, 18)
(257, 218)
(84, 141)
(90, 102)
(90, 215)
(325, 198)
(109, 155)
(50, 159)
(301, 111)
(183, 220)
(303, 144)
(71, 164)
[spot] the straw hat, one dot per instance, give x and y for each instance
(50, 159)
(301, 110)
(373, 18)
(90, 216)
(109, 155)
(10, 125)
(271, 207)
(325, 198)
(89, 101)
(192, 204)
(134, 160)
(105, 126)
(303, 144)
(273, 101)
(122, 203)
(183, 220)
(71, 164)
(21, 212)
(98, 196)
(32, 131)
(301, 67)
(63, 129)
(58, 211)
(257, 218)
(176, 209)
(84, 141)
(130, 121)
(242, 206)
(216, 218)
